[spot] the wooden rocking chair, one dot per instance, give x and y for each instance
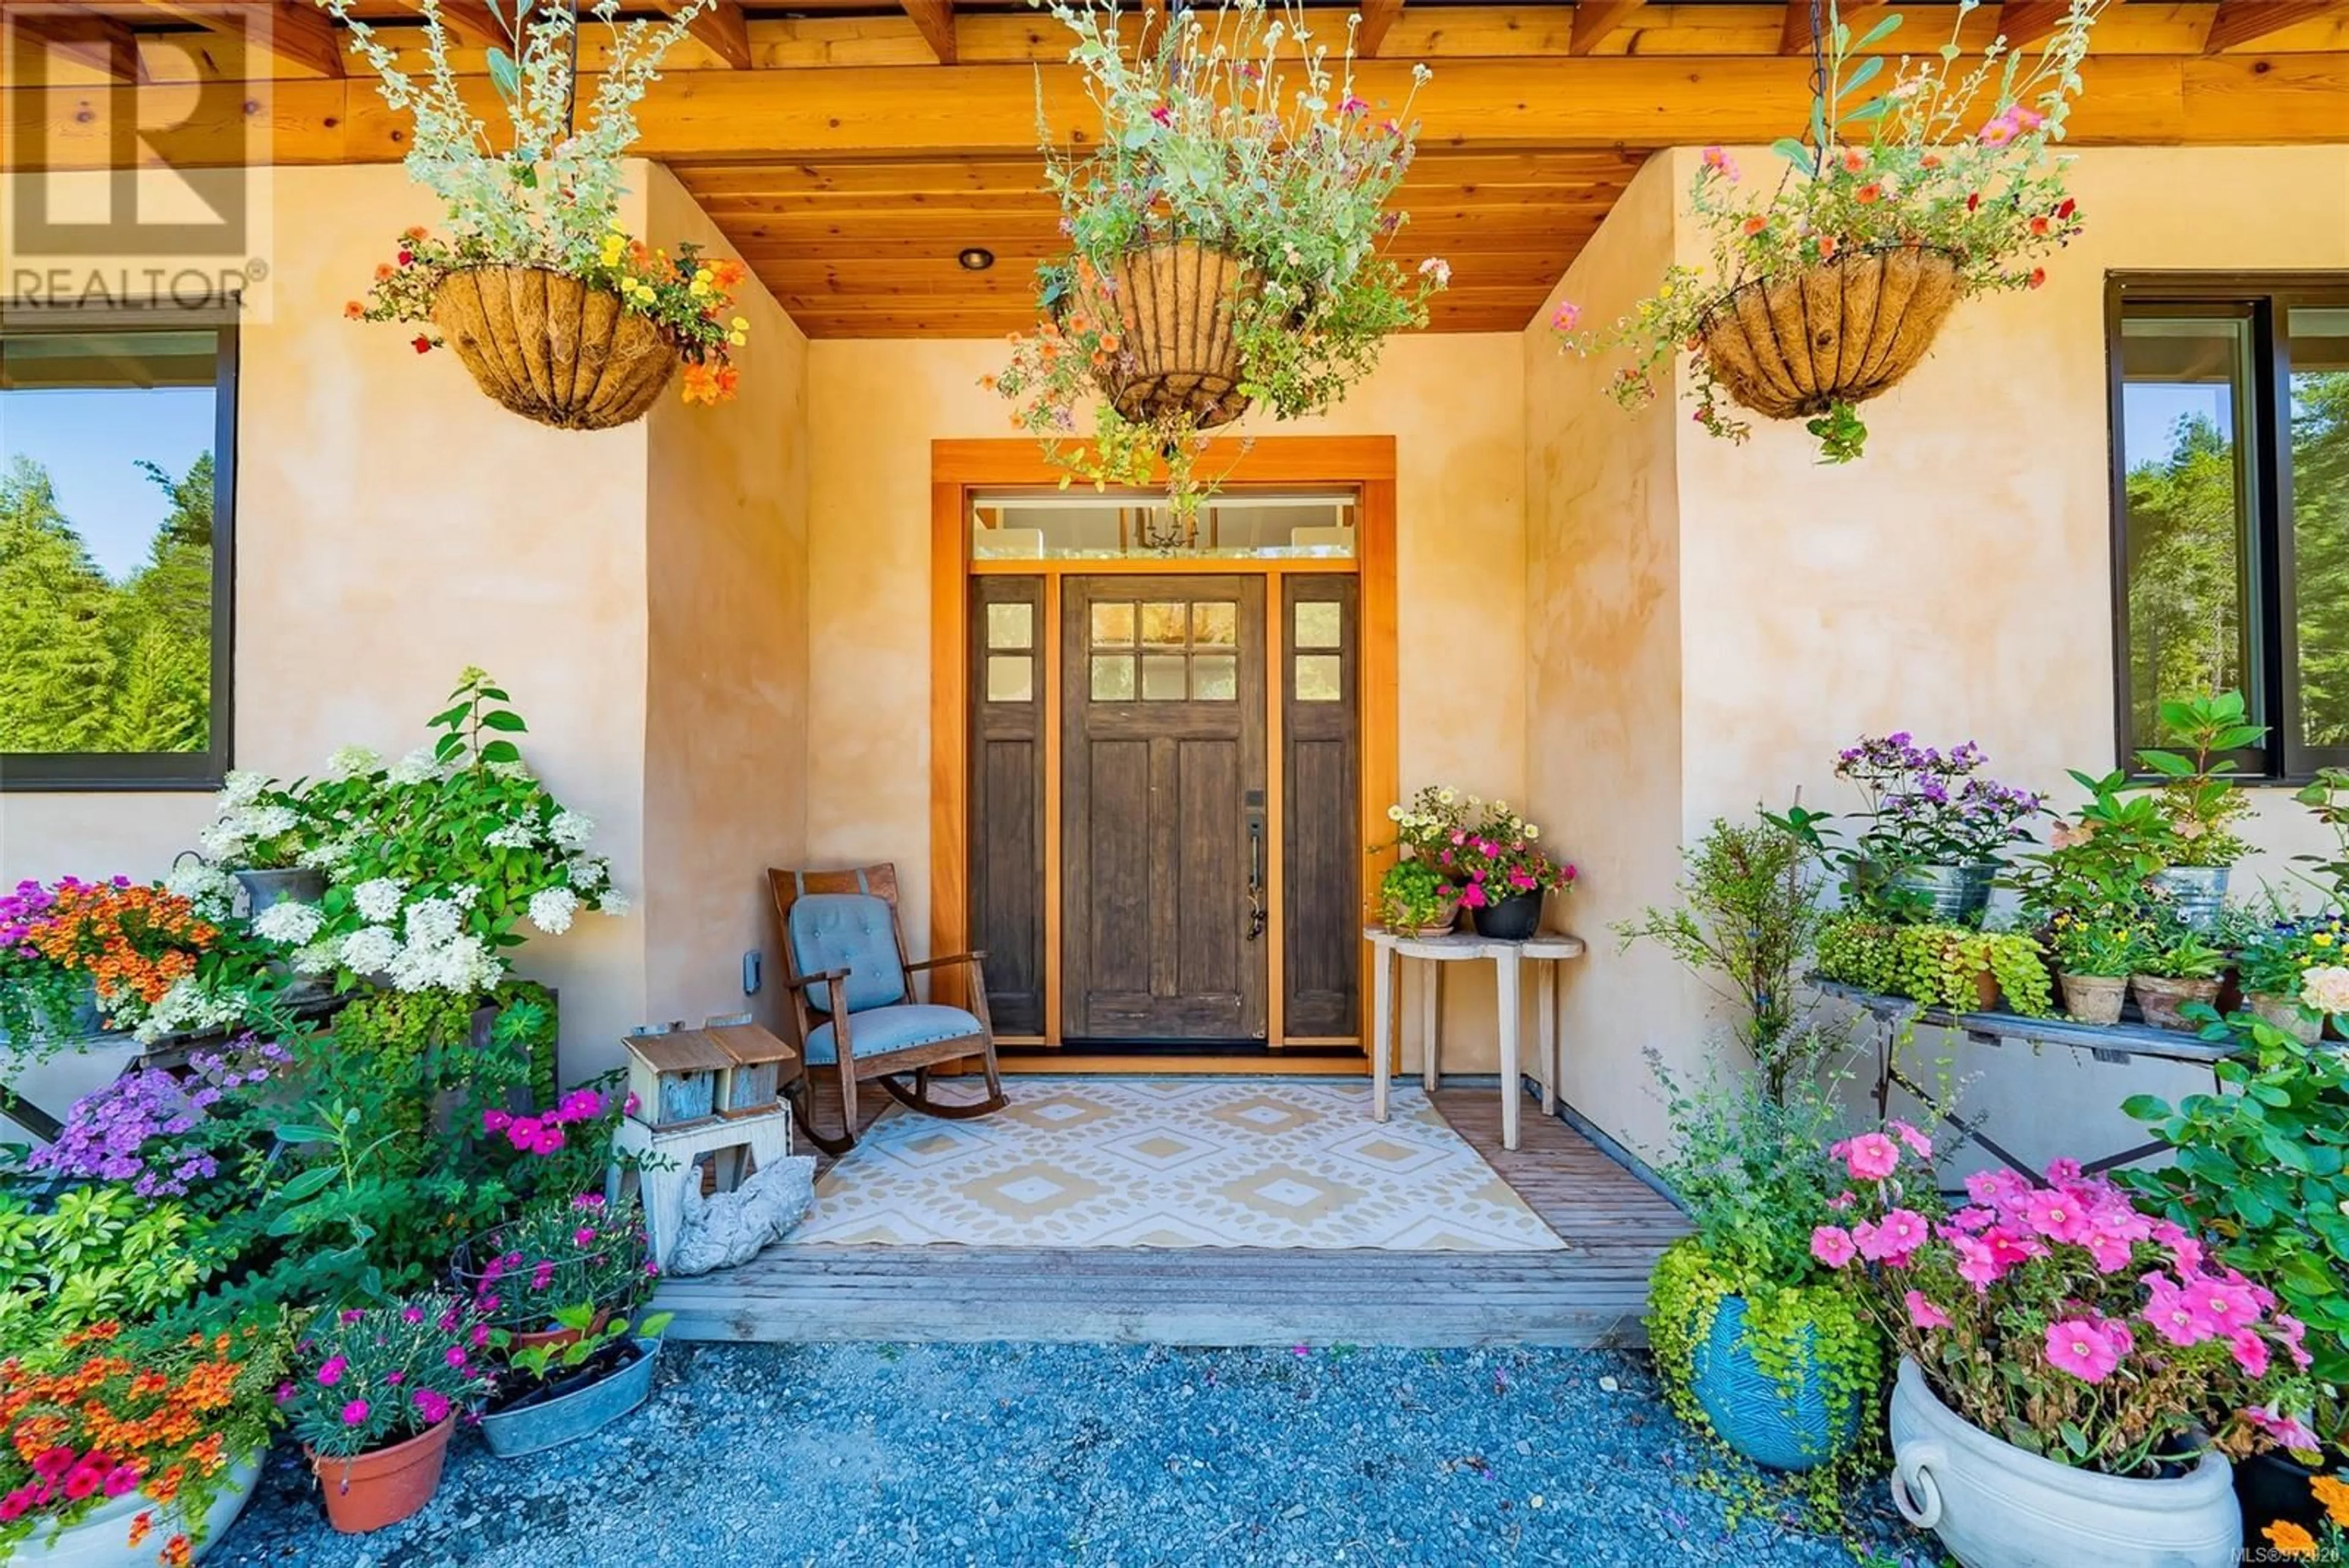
(853, 999)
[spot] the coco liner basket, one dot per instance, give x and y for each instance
(1177, 305)
(1795, 344)
(552, 348)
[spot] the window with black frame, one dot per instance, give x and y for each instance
(2231, 475)
(116, 449)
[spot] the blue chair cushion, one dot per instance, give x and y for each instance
(853, 931)
(877, 1031)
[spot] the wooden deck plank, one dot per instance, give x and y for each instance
(1590, 1293)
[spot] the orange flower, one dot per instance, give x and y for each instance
(709, 383)
(1756, 224)
(177, 1552)
(1854, 159)
(1826, 246)
(1869, 194)
(382, 272)
(353, 310)
(2334, 1495)
(413, 233)
(726, 273)
(2290, 1538)
(141, 1525)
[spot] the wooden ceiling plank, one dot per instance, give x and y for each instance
(1795, 31)
(2236, 22)
(93, 41)
(1379, 17)
(721, 27)
(2023, 23)
(294, 31)
(936, 18)
(1594, 20)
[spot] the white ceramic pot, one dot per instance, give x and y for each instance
(1995, 1506)
(101, 1539)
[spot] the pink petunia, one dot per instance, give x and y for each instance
(1872, 1157)
(1918, 1144)
(2082, 1347)
(2228, 1302)
(2055, 1214)
(494, 1120)
(1892, 1239)
(2291, 1331)
(1923, 1313)
(2175, 1314)
(2288, 1431)
(1978, 1263)
(2250, 1352)
(522, 1132)
(1843, 1201)
(1832, 1245)
(1971, 1220)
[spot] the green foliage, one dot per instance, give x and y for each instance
(1239, 133)
(1749, 915)
(2100, 949)
(596, 1334)
(2261, 1167)
(1413, 895)
(2327, 796)
(2096, 865)
(1940, 966)
(88, 665)
(2197, 793)
(1855, 948)
(101, 1254)
(2275, 959)
(2167, 947)
(1750, 1167)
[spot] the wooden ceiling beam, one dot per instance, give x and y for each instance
(719, 25)
(2237, 21)
(936, 19)
(469, 22)
(294, 31)
(1594, 20)
(96, 42)
(1794, 31)
(2023, 23)
(1378, 16)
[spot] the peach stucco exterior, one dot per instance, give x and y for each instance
(717, 621)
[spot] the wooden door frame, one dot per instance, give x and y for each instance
(1363, 464)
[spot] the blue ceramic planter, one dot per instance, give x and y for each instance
(1781, 1429)
(549, 1424)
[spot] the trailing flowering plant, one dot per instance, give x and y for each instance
(139, 946)
(1238, 132)
(543, 189)
(157, 1131)
(2057, 1315)
(1497, 854)
(1960, 163)
(105, 1412)
(368, 1377)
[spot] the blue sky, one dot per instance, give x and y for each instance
(2151, 411)
(91, 441)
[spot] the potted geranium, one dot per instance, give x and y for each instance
(1755, 1341)
(558, 314)
(2201, 802)
(126, 1446)
(1830, 288)
(1228, 230)
(375, 1398)
(2068, 1364)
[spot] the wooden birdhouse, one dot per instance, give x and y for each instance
(763, 1064)
(677, 1076)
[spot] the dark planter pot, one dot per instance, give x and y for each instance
(573, 1408)
(2271, 1486)
(1513, 920)
(294, 885)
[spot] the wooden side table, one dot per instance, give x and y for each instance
(1389, 948)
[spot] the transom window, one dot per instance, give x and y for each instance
(2231, 480)
(116, 444)
(1231, 526)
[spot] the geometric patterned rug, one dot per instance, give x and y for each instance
(1173, 1162)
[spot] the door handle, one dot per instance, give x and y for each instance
(1255, 910)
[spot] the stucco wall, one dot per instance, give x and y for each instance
(392, 527)
(725, 771)
(875, 407)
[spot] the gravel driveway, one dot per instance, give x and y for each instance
(870, 1454)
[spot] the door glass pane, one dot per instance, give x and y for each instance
(1215, 678)
(1112, 625)
(1320, 677)
(2319, 520)
(1166, 625)
(1321, 623)
(1162, 677)
(1011, 625)
(1113, 679)
(2184, 433)
(1011, 678)
(1216, 624)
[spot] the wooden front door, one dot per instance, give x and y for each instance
(1164, 851)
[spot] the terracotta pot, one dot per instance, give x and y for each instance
(2287, 1014)
(1986, 991)
(385, 1485)
(556, 1337)
(551, 349)
(2159, 1000)
(2093, 998)
(1794, 345)
(1176, 306)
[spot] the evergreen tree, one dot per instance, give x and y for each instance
(57, 664)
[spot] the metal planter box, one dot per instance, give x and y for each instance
(534, 1427)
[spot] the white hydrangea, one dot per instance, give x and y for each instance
(269, 821)
(513, 836)
(317, 958)
(434, 921)
(242, 787)
(551, 910)
(571, 829)
(464, 965)
(370, 949)
(221, 840)
(353, 761)
(416, 767)
(466, 894)
(377, 899)
(517, 769)
(329, 854)
(189, 1008)
(613, 902)
(208, 888)
(588, 872)
(291, 923)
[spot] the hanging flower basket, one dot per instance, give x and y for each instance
(1176, 306)
(553, 348)
(1797, 344)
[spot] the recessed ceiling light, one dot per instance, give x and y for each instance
(977, 258)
